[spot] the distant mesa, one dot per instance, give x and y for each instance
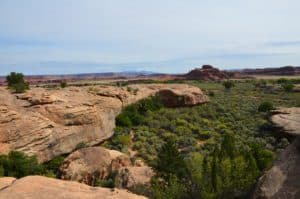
(285, 70)
(208, 72)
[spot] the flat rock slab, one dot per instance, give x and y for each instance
(39, 187)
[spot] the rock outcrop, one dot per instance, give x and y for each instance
(38, 187)
(282, 180)
(207, 72)
(88, 165)
(51, 122)
(288, 119)
(132, 176)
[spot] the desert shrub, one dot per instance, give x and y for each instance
(264, 158)
(265, 107)
(173, 188)
(228, 84)
(81, 145)
(211, 93)
(109, 182)
(282, 81)
(133, 114)
(63, 84)
(135, 91)
(52, 166)
(288, 87)
(260, 84)
(123, 120)
(129, 89)
(16, 82)
(17, 164)
(170, 162)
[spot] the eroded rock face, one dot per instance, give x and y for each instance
(89, 164)
(38, 187)
(288, 119)
(282, 180)
(130, 177)
(180, 98)
(51, 122)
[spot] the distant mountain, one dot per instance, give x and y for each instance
(285, 70)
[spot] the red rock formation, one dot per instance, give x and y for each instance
(207, 72)
(286, 70)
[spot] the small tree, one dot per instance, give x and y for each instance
(288, 87)
(63, 84)
(170, 162)
(16, 82)
(228, 84)
(265, 107)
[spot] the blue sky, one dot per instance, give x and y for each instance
(76, 36)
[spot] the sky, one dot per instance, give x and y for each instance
(170, 36)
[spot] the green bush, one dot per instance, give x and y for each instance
(81, 145)
(16, 82)
(265, 158)
(265, 107)
(63, 84)
(17, 164)
(123, 120)
(133, 114)
(288, 87)
(228, 84)
(52, 166)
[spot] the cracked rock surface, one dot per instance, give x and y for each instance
(51, 122)
(39, 187)
(282, 181)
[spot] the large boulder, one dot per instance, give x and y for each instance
(51, 122)
(282, 180)
(288, 119)
(183, 97)
(88, 165)
(131, 177)
(38, 187)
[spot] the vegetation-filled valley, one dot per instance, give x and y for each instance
(215, 150)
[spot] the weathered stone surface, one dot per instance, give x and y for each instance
(288, 119)
(87, 164)
(51, 122)
(38, 187)
(282, 180)
(130, 177)
(6, 182)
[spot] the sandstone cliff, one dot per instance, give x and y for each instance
(282, 180)
(51, 122)
(38, 187)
